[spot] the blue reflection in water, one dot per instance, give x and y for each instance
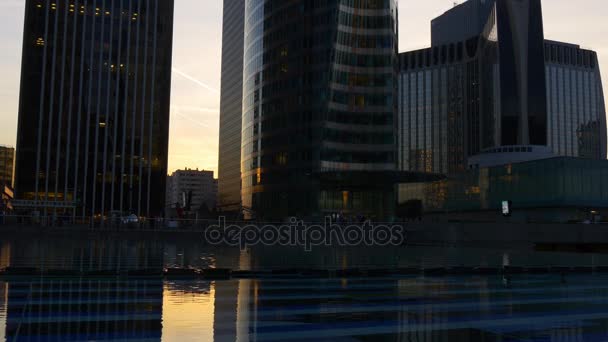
(539, 308)
(409, 308)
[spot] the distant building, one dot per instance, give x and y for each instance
(231, 106)
(93, 127)
(7, 157)
(201, 183)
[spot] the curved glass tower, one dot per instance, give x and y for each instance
(318, 107)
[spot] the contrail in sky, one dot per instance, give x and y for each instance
(177, 112)
(190, 78)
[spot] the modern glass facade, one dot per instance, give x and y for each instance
(7, 157)
(460, 99)
(433, 102)
(317, 99)
(446, 94)
(461, 22)
(465, 99)
(94, 107)
(577, 124)
(231, 106)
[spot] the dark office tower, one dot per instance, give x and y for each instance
(318, 106)
(94, 106)
(523, 117)
(231, 106)
(514, 28)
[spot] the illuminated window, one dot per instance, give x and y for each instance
(360, 101)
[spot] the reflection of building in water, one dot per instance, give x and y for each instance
(63, 310)
(193, 253)
(188, 304)
(247, 302)
(3, 300)
(5, 255)
(84, 255)
(233, 303)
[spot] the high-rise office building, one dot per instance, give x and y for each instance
(504, 93)
(7, 156)
(231, 106)
(318, 107)
(575, 99)
(94, 106)
(502, 112)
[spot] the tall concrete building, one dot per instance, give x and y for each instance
(7, 156)
(231, 106)
(319, 102)
(201, 184)
(94, 106)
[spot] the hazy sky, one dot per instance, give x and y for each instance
(197, 52)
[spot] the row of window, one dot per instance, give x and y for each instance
(362, 80)
(366, 21)
(566, 54)
(364, 41)
(350, 137)
(369, 61)
(362, 100)
(368, 4)
(357, 157)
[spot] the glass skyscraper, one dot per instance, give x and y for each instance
(94, 106)
(495, 106)
(575, 99)
(480, 94)
(231, 108)
(318, 107)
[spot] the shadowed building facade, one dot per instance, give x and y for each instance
(231, 108)
(94, 107)
(318, 104)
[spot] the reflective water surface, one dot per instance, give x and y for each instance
(547, 307)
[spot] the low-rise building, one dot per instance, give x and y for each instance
(7, 157)
(201, 184)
